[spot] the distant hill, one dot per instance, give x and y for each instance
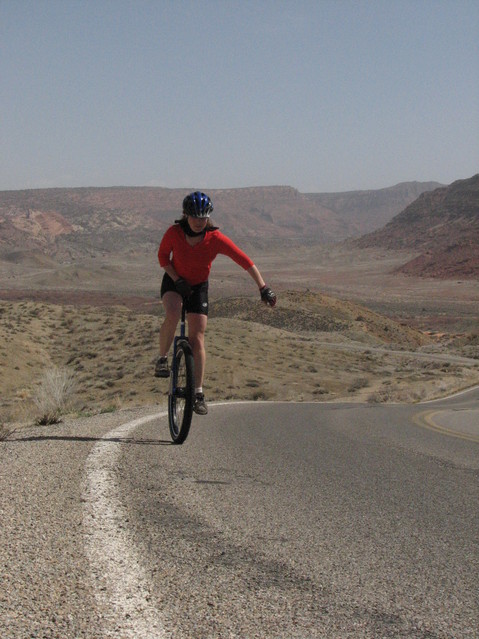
(442, 226)
(66, 224)
(365, 211)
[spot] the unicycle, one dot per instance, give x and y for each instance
(181, 395)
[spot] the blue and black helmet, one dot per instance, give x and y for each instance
(197, 204)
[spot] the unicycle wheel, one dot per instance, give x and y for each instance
(181, 396)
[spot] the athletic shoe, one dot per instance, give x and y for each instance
(161, 367)
(200, 406)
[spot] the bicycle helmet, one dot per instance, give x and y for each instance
(197, 204)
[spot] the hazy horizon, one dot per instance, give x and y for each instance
(225, 188)
(321, 96)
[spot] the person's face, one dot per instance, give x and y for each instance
(197, 224)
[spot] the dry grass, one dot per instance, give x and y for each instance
(4, 432)
(53, 394)
(311, 347)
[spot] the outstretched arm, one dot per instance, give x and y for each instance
(266, 293)
(227, 247)
(256, 275)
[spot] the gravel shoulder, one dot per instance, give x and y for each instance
(46, 588)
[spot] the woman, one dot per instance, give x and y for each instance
(186, 252)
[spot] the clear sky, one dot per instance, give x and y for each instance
(321, 95)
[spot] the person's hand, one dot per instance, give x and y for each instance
(183, 287)
(267, 296)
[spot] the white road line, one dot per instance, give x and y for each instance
(457, 394)
(121, 586)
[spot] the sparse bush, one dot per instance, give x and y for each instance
(4, 432)
(6, 428)
(53, 395)
(357, 384)
(108, 409)
(319, 391)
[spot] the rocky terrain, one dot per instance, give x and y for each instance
(72, 224)
(79, 284)
(442, 227)
(311, 347)
(366, 211)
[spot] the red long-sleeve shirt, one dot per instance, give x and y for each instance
(193, 263)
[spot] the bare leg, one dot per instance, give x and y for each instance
(172, 305)
(196, 336)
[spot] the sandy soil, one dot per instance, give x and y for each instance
(346, 327)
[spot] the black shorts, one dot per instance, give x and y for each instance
(198, 300)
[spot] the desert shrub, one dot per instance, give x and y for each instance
(108, 409)
(4, 431)
(357, 384)
(53, 394)
(320, 391)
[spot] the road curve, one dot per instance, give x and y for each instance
(308, 520)
(272, 520)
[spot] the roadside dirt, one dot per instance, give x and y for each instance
(345, 327)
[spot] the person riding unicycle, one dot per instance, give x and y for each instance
(186, 253)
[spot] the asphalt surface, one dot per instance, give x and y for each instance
(272, 520)
(457, 417)
(312, 521)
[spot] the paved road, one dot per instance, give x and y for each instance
(282, 521)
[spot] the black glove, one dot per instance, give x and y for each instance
(183, 287)
(267, 296)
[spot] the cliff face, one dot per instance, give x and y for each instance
(66, 223)
(442, 226)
